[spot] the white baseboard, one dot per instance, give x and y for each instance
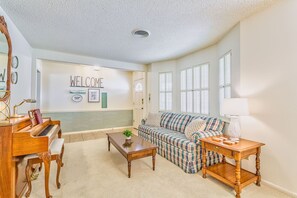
(97, 130)
(280, 188)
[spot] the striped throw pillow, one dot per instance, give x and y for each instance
(153, 119)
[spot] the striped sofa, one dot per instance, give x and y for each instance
(173, 144)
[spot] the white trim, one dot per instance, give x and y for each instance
(86, 60)
(96, 130)
(73, 111)
(279, 188)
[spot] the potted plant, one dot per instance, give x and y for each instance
(128, 134)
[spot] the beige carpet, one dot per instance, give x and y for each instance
(91, 171)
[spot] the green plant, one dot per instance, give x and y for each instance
(127, 133)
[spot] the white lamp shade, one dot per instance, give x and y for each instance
(235, 106)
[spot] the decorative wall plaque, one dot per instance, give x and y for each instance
(77, 98)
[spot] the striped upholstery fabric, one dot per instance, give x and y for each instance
(175, 147)
(174, 138)
(212, 124)
(221, 127)
(165, 118)
(148, 129)
(178, 122)
(190, 162)
(203, 134)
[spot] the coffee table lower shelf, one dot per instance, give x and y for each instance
(225, 173)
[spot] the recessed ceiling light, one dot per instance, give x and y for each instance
(140, 33)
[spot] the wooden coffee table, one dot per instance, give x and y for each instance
(138, 149)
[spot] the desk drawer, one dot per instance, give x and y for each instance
(219, 149)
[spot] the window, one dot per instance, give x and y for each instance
(195, 89)
(138, 87)
(225, 78)
(165, 91)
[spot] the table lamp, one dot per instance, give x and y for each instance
(15, 107)
(235, 107)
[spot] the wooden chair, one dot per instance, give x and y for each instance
(57, 151)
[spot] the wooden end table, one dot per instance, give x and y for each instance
(234, 176)
(138, 149)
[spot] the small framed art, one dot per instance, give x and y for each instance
(94, 95)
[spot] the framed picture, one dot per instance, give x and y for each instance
(94, 95)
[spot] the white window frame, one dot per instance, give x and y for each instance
(200, 89)
(165, 92)
(225, 85)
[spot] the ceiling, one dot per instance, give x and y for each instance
(102, 28)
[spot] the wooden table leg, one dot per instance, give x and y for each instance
(62, 154)
(28, 177)
(258, 167)
(154, 159)
(203, 160)
(60, 134)
(59, 165)
(129, 169)
(224, 159)
(237, 176)
(108, 144)
(46, 157)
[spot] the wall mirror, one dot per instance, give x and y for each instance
(5, 61)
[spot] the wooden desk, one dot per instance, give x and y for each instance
(229, 174)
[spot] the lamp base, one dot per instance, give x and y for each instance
(234, 128)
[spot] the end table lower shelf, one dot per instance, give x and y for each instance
(225, 173)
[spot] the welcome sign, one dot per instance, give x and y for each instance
(88, 82)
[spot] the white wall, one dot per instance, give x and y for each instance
(211, 55)
(78, 59)
(22, 49)
(153, 83)
(56, 86)
(231, 42)
(268, 78)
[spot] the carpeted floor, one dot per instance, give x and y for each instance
(91, 171)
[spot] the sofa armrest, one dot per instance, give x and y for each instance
(204, 134)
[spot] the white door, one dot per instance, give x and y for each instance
(138, 103)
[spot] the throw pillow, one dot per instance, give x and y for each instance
(194, 126)
(153, 119)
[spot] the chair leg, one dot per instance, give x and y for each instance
(46, 158)
(40, 166)
(59, 164)
(28, 177)
(62, 153)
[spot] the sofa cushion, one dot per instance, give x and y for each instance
(153, 119)
(195, 125)
(174, 138)
(147, 129)
(203, 134)
(165, 118)
(212, 124)
(178, 122)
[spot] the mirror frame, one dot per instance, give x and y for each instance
(4, 30)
